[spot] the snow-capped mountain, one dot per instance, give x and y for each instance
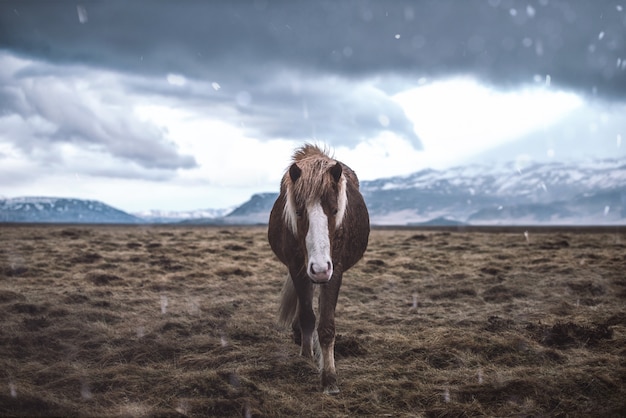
(164, 216)
(551, 193)
(61, 210)
(591, 193)
(512, 180)
(66, 210)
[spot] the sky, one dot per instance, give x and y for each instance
(184, 105)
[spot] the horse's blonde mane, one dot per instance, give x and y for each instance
(310, 150)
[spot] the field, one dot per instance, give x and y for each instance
(181, 321)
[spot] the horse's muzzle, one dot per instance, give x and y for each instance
(320, 274)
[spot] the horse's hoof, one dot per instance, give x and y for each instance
(331, 389)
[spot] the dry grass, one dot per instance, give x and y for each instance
(180, 321)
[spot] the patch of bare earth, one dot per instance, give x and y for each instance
(180, 321)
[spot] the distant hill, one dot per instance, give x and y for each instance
(590, 193)
(438, 222)
(62, 210)
(256, 210)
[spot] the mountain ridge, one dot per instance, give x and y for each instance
(554, 193)
(40, 209)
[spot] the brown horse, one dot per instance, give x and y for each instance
(319, 228)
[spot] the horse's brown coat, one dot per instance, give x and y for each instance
(314, 176)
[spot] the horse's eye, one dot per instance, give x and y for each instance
(298, 213)
(335, 211)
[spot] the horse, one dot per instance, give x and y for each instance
(319, 228)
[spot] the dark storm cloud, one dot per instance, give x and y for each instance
(581, 44)
(247, 47)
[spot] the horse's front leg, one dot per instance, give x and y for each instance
(306, 316)
(326, 333)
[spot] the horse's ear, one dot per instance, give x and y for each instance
(336, 171)
(294, 172)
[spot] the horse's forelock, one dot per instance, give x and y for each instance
(313, 182)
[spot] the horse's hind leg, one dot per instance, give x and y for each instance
(326, 334)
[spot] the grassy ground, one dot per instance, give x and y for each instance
(181, 321)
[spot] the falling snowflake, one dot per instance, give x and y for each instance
(164, 303)
(243, 99)
(183, 407)
(176, 80)
(85, 392)
(82, 14)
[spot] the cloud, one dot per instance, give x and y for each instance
(48, 109)
(291, 70)
(504, 42)
(470, 129)
(289, 105)
(339, 111)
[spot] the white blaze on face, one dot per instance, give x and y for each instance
(320, 265)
